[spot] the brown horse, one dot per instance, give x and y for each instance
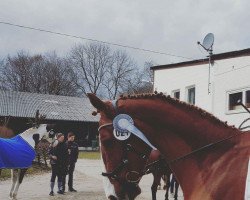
(214, 155)
(150, 162)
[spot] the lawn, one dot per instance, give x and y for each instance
(35, 169)
(93, 155)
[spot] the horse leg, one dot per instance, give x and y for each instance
(14, 173)
(176, 190)
(157, 179)
(45, 160)
(164, 178)
(19, 181)
(167, 185)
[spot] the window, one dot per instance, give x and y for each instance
(191, 95)
(248, 99)
(242, 95)
(176, 94)
(233, 101)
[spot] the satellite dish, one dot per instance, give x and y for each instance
(208, 41)
(207, 44)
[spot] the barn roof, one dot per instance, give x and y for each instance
(24, 104)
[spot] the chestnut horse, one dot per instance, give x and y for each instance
(215, 156)
(18, 153)
(150, 162)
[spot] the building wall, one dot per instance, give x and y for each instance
(226, 75)
(230, 75)
(167, 80)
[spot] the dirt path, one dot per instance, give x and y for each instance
(88, 183)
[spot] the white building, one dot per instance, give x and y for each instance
(229, 82)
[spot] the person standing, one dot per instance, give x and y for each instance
(59, 160)
(73, 156)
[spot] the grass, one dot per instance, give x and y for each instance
(35, 169)
(5, 174)
(89, 155)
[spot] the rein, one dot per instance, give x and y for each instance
(148, 168)
(201, 148)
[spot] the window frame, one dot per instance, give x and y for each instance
(241, 110)
(187, 93)
(173, 93)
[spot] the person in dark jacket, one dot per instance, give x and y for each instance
(73, 156)
(58, 154)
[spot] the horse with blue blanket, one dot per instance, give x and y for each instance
(17, 153)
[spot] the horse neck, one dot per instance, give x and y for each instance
(177, 130)
(189, 124)
(28, 137)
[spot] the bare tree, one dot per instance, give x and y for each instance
(149, 75)
(118, 73)
(141, 81)
(41, 74)
(60, 78)
(15, 72)
(91, 62)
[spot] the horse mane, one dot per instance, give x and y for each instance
(179, 103)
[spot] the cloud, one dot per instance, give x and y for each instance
(168, 26)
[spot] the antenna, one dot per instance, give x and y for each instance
(207, 44)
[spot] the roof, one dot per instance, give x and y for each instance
(24, 104)
(227, 55)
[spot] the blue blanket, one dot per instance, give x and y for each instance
(15, 153)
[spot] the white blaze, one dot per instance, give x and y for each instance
(108, 187)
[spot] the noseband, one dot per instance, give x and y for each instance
(127, 148)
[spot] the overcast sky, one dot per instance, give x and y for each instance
(170, 26)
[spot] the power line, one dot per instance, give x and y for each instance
(93, 40)
(234, 69)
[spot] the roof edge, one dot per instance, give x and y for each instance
(226, 55)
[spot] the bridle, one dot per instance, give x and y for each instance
(148, 169)
(124, 163)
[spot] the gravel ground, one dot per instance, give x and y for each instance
(87, 181)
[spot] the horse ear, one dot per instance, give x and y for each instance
(96, 102)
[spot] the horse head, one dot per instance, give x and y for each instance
(124, 160)
(37, 133)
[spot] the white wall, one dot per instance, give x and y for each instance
(230, 75)
(167, 80)
(226, 75)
